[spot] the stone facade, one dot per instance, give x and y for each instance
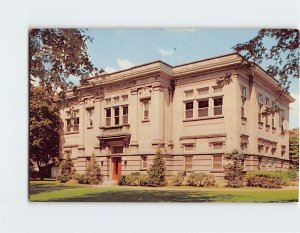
(122, 118)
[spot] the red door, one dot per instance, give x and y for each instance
(116, 166)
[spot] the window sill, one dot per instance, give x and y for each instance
(244, 118)
(113, 126)
(89, 127)
(74, 132)
(145, 120)
(203, 118)
(268, 126)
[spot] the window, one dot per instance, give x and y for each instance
(68, 123)
(117, 116)
(282, 151)
(125, 98)
(217, 90)
(202, 108)
(282, 122)
(144, 162)
(267, 101)
(188, 147)
(243, 107)
(188, 163)
(189, 107)
(260, 148)
(189, 94)
(108, 102)
(76, 121)
(108, 117)
(244, 92)
(273, 120)
(266, 149)
(244, 96)
(203, 91)
(125, 115)
(217, 162)
(271, 164)
(273, 150)
(260, 113)
(116, 100)
(260, 98)
(218, 103)
(117, 150)
(90, 112)
(146, 104)
(267, 120)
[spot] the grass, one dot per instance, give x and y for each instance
(57, 192)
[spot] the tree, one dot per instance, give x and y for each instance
(157, 171)
(283, 55)
(93, 171)
(57, 54)
(294, 148)
(233, 170)
(66, 170)
(44, 125)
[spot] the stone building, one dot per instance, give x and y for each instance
(123, 118)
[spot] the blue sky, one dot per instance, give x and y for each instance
(117, 49)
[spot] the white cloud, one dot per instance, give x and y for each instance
(110, 69)
(294, 111)
(165, 52)
(124, 64)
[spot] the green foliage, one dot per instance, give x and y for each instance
(81, 178)
(283, 55)
(178, 179)
(93, 172)
(201, 180)
(156, 172)
(294, 148)
(44, 125)
(134, 179)
(265, 179)
(57, 54)
(233, 170)
(66, 170)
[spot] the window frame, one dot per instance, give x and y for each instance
(217, 106)
(213, 162)
(207, 108)
(189, 163)
(91, 112)
(146, 109)
(188, 110)
(144, 162)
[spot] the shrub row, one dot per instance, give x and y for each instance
(195, 179)
(134, 179)
(269, 179)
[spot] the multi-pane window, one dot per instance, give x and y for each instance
(117, 150)
(144, 162)
(189, 107)
(267, 120)
(108, 116)
(76, 121)
(116, 116)
(217, 162)
(273, 120)
(90, 112)
(244, 96)
(282, 151)
(273, 150)
(267, 102)
(260, 113)
(188, 162)
(260, 148)
(203, 108)
(69, 125)
(146, 105)
(125, 115)
(282, 121)
(218, 103)
(267, 149)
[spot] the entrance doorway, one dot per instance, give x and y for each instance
(116, 167)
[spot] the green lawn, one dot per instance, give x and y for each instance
(54, 191)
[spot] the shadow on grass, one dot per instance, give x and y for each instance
(40, 188)
(148, 196)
